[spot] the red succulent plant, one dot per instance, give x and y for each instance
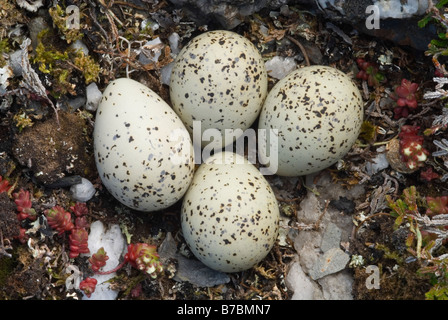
(98, 259)
(143, 257)
(437, 205)
(405, 96)
(4, 185)
(79, 209)
(59, 219)
(24, 205)
(78, 242)
(88, 285)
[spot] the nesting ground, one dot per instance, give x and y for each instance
(31, 141)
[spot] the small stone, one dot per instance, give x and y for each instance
(78, 45)
(166, 73)
(114, 243)
(378, 163)
(151, 51)
(93, 95)
(332, 261)
(279, 67)
(83, 191)
(337, 286)
(190, 270)
(174, 42)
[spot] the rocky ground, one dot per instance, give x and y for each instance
(353, 231)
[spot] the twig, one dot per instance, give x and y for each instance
(302, 48)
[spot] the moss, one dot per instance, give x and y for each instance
(4, 48)
(47, 56)
(87, 65)
(61, 63)
(22, 120)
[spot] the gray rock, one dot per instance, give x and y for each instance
(332, 261)
(331, 237)
(337, 286)
(190, 270)
(302, 286)
(398, 17)
(228, 13)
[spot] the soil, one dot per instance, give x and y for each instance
(44, 156)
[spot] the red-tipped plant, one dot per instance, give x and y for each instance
(369, 72)
(428, 174)
(59, 219)
(411, 147)
(88, 285)
(98, 260)
(22, 237)
(79, 209)
(81, 222)
(437, 205)
(4, 185)
(143, 257)
(405, 96)
(24, 205)
(78, 242)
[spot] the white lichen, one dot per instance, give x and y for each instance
(32, 6)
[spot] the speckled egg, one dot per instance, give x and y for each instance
(229, 214)
(318, 112)
(143, 152)
(219, 78)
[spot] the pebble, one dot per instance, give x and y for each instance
(279, 67)
(332, 261)
(378, 163)
(83, 191)
(152, 54)
(93, 96)
(190, 270)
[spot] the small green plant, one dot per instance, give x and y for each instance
(426, 236)
(405, 210)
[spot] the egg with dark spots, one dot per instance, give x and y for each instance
(229, 215)
(220, 80)
(143, 152)
(317, 112)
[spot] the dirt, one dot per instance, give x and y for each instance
(39, 156)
